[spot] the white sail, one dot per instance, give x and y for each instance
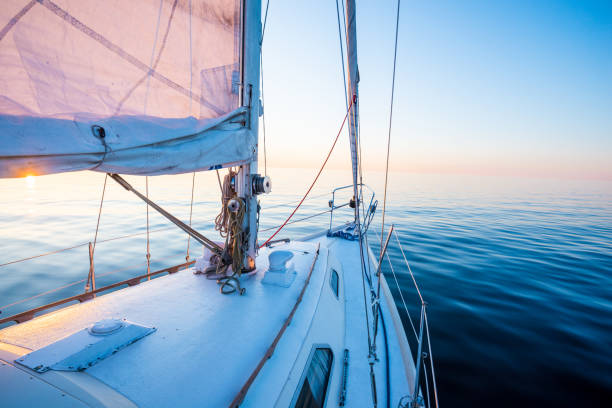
(137, 87)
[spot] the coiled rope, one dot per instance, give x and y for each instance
(230, 283)
(227, 193)
(229, 224)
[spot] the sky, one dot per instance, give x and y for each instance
(512, 88)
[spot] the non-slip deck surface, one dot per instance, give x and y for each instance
(207, 344)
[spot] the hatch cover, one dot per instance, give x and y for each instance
(86, 347)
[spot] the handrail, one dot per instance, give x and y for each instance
(29, 314)
(333, 207)
(245, 388)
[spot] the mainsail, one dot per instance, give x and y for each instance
(134, 87)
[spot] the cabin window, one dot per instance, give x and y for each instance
(313, 387)
(334, 281)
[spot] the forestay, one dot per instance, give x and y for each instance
(136, 87)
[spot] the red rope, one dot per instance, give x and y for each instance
(316, 178)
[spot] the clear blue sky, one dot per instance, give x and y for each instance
(486, 87)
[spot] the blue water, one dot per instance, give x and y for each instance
(517, 272)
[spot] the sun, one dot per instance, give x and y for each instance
(30, 180)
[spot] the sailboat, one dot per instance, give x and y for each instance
(306, 322)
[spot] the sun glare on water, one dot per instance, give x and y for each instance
(30, 180)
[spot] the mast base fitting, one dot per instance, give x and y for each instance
(261, 184)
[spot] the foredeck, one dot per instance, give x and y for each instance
(207, 345)
(401, 367)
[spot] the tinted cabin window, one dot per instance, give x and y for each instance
(334, 282)
(314, 387)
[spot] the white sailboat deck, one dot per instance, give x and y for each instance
(207, 345)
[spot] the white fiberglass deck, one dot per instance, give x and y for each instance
(207, 344)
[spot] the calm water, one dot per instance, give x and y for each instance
(517, 272)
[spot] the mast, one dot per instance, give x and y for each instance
(251, 52)
(353, 94)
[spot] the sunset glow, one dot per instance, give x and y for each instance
(30, 180)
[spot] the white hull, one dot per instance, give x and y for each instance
(207, 345)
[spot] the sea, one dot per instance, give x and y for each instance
(516, 272)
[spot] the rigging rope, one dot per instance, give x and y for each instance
(263, 116)
(263, 30)
(227, 193)
(148, 255)
(316, 178)
(99, 214)
(190, 60)
(342, 52)
(382, 231)
(230, 283)
(92, 248)
(229, 224)
(357, 195)
(219, 180)
(305, 218)
(190, 214)
(382, 247)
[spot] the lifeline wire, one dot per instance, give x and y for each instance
(133, 266)
(409, 269)
(398, 285)
(152, 231)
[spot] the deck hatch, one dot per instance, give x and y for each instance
(86, 347)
